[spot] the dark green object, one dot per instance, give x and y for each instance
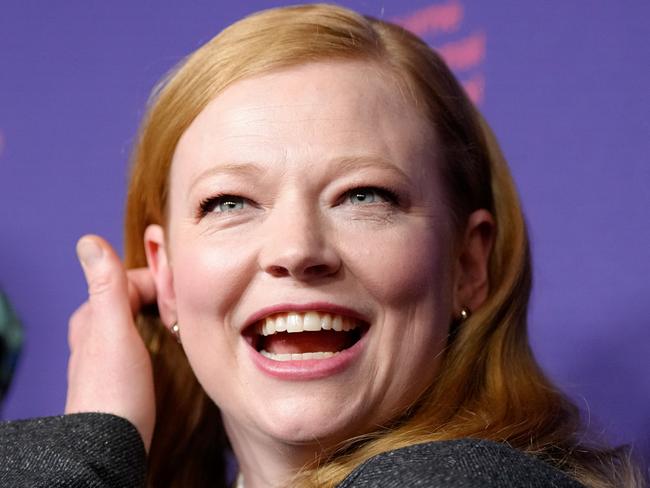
(11, 341)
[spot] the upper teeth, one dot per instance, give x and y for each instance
(307, 321)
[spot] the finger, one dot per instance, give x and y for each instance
(142, 288)
(107, 283)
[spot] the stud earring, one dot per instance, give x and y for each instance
(457, 322)
(176, 332)
(465, 313)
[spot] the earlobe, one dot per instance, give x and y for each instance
(472, 267)
(159, 263)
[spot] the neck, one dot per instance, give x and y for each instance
(265, 463)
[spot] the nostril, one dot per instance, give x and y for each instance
(318, 270)
(309, 271)
(278, 271)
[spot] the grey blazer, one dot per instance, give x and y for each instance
(93, 450)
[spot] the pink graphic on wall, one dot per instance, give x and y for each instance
(440, 25)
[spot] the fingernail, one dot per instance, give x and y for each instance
(88, 251)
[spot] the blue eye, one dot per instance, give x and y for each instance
(364, 196)
(229, 203)
(222, 204)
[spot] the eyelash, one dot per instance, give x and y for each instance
(208, 205)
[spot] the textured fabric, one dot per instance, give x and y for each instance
(89, 450)
(464, 463)
(94, 450)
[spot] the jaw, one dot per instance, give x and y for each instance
(297, 419)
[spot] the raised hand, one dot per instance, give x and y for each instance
(109, 369)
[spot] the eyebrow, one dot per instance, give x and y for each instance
(350, 163)
(234, 168)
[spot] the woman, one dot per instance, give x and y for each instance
(340, 266)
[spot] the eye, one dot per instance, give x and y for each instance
(367, 195)
(223, 204)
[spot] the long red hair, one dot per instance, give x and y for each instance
(489, 385)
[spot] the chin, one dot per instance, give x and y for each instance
(313, 432)
(308, 419)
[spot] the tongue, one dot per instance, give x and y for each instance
(301, 342)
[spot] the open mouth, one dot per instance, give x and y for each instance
(299, 336)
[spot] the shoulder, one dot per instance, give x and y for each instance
(463, 463)
(85, 449)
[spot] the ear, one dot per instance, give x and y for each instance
(159, 265)
(472, 277)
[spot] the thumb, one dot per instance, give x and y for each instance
(108, 293)
(109, 369)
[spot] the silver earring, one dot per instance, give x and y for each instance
(465, 313)
(176, 332)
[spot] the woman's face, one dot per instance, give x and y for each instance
(308, 199)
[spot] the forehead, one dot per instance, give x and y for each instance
(308, 114)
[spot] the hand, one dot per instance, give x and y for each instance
(109, 369)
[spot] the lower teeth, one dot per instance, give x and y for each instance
(297, 356)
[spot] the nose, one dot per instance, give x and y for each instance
(297, 244)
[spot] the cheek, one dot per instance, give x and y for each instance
(409, 275)
(209, 276)
(403, 266)
(209, 279)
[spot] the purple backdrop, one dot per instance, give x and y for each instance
(564, 84)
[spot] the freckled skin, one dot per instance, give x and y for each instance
(298, 236)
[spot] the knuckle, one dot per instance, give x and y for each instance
(99, 285)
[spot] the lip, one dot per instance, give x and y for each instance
(310, 369)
